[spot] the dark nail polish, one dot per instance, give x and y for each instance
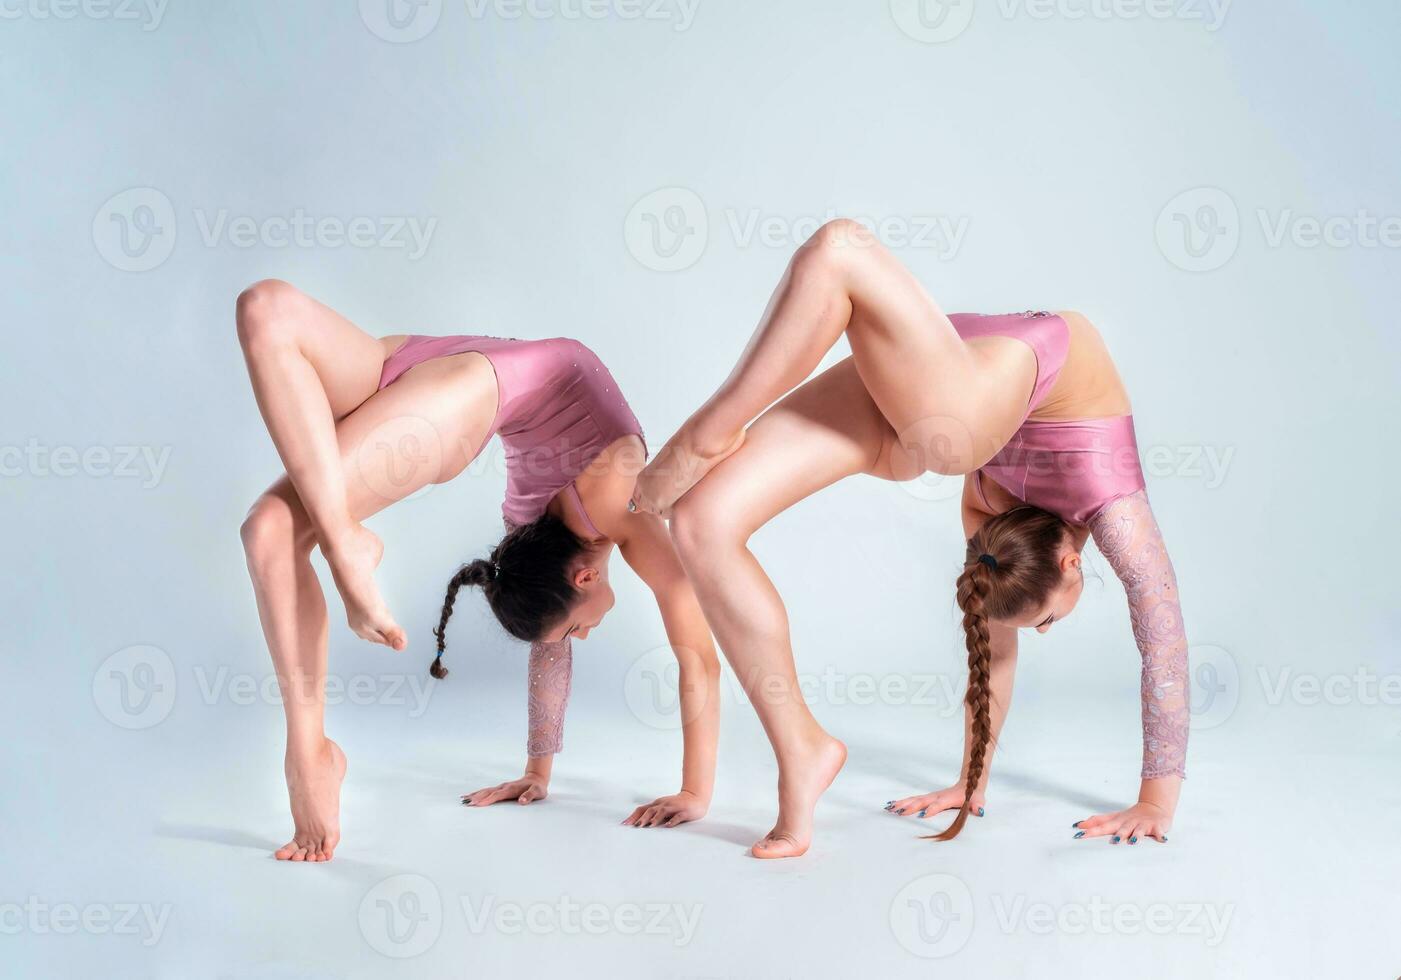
(1133, 840)
(1076, 824)
(980, 811)
(921, 813)
(889, 803)
(1079, 834)
(1116, 839)
(1163, 839)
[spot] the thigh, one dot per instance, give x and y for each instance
(822, 432)
(347, 360)
(950, 403)
(423, 429)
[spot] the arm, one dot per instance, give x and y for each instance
(1004, 669)
(648, 550)
(1128, 536)
(646, 546)
(549, 676)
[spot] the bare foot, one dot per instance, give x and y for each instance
(800, 783)
(680, 465)
(353, 559)
(314, 786)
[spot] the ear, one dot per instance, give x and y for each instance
(1070, 561)
(585, 577)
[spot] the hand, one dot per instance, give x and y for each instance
(524, 791)
(935, 803)
(668, 811)
(1137, 822)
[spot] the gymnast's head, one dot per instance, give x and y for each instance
(542, 581)
(1021, 570)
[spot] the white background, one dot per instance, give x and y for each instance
(1162, 167)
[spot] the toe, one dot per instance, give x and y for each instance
(285, 852)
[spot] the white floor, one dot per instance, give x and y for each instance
(1283, 861)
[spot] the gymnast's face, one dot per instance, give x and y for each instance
(1062, 599)
(595, 599)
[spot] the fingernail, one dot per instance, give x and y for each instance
(1163, 839)
(921, 813)
(1133, 840)
(1115, 840)
(980, 811)
(1076, 824)
(889, 802)
(1079, 834)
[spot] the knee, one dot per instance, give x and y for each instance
(834, 247)
(271, 533)
(261, 313)
(700, 530)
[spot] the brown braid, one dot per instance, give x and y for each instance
(973, 586)
(1012, 565)
(478, 572)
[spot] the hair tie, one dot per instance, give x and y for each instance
(494, 570)
(988, 560)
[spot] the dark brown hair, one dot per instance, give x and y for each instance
(526, 581)
(1012, 566)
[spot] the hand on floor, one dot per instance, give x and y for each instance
(935, 803)
(668, 811)
(1132, 825)
(524, 791)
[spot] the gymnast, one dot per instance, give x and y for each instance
(330, 396)
(1028, 407)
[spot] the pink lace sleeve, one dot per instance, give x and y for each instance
(551, 671)
(1128, 536)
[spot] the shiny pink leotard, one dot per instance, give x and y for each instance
(1087, 472)
(558, 408)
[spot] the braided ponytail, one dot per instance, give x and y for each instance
(1012, 565)
(478, 572)
(973, 587)
(526, 581)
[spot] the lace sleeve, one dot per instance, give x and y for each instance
(551, 671)
(1128, 536)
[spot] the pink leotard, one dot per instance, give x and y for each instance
(1087, 472)
(558, 408)
(1070, 468)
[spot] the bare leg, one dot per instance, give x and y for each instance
(447, 406)
(310, 366)
(952, 406)
(826, 430)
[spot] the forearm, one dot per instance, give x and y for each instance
(1000, 681)
(1128, 536)
(551, 672)
(699, 695)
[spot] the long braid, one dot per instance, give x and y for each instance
(476, 573)
(973, 587)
